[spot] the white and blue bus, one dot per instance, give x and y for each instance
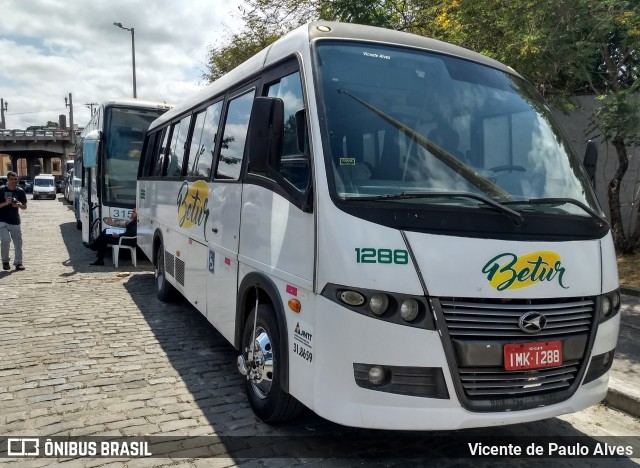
(392, 231)
(105, 179)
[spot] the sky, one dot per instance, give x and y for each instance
(50, 48)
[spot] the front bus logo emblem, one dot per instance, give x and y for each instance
(510, 271)
(532, 322)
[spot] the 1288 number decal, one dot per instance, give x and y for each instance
(385, 256)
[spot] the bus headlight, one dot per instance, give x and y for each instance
(115, 222)
(352, 298)
(609, 305)
(605, 306)
(409, 310)
(616, 300)
(379, 303)
(406, 310)
(377, 375)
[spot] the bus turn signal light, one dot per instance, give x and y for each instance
(294, 304)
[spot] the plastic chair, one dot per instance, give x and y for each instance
(116, 250)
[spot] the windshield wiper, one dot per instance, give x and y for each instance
(512, 214)
(457, 166)
(560, 201)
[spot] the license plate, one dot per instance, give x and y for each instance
(518, 356)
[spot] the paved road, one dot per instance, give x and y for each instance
(90, 351)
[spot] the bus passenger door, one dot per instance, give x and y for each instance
(223, 226)
(89, 198)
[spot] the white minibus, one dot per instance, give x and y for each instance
(392, 231)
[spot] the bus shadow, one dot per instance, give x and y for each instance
(206, 364)
(80, 256)
(60, 198)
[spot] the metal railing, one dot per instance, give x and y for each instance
(50, 134)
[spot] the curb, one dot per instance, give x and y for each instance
(621, 396)
(623, 400)
(630, 290)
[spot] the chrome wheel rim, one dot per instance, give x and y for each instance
(262, 359)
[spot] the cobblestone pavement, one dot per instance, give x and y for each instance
(90, 351)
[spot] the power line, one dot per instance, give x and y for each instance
(36, 112)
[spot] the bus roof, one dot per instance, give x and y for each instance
(131, 102)
(302, 36)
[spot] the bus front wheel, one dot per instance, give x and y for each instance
(266, 396)
(164, 291)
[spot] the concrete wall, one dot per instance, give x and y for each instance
(575, 125)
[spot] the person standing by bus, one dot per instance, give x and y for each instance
(107, 238)
(12, 199)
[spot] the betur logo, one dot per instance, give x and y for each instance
(532, 322)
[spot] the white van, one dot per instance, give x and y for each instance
(44, 186)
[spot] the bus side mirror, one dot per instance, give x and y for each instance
(90, 149)
(591, 161)
(266, 126)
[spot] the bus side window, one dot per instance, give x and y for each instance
(176, 150)
(234, 137)
(195, 150)
(203, 141)
(146, 161)
(294, 165)
(160, 152)
(150, 152)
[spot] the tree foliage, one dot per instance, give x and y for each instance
(50, 124)
(243, 45)
(564, 47)
(267, 20)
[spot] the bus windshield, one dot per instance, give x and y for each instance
(401, 121)
(124, 134)
(43, 182)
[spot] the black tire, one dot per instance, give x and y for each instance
(164, 291)
(267, 399)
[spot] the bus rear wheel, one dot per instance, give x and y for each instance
(164, 291)
(264, 392)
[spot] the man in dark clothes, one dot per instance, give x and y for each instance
(12, 200)
(102, 242)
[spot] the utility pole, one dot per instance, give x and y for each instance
(133, 54)
(90, 106)
(72, 131)
(3, 109)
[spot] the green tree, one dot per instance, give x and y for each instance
(241, 47)
(567, 47)
(50, 125)
(267, 20)
(564, 47)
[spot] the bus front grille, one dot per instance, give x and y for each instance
(489, 382)
(479, 329)
(499, 319)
